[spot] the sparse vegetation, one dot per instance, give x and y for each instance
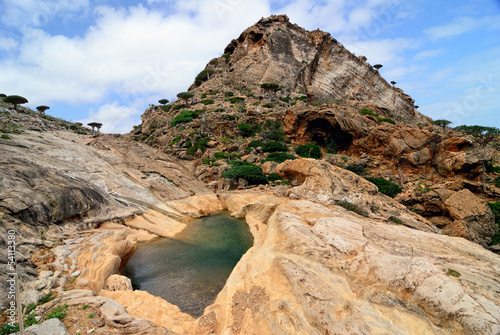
(5, 137)
(185, 96)
(200, 144)
(453, 273)
(484, 135)
(352, 207)
(278, 157)
(203, 76)
(385, 186)
(359, 170)
(250, 172)
(274, 147)
(185, 117)
(442, 123)
(273, 131)
(247, 130)
(310, 150)
(395, 219)
(207, 101)
(366, 111)
(495, 208)
(274, 177)
(58, 312)
(386, 119)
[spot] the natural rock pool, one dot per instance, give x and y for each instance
(191, 269)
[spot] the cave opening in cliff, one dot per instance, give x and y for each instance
(327, 135)
(191, 269)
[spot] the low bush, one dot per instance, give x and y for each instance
(219, 110)
(273, 131)
(175, 140)
(385, 186)
(359, 170)
(251, 173)
(166, 108)
(199, 144)
(221, 155)
(255, 144)
(235, 100)
(395, 219)
(497, 181)
(366, 111)
(247, 130)
(207, 101)
(352, 207)
(310, 150)
(382, 119)
(185, 117)
(58, 312)
(278, 157)
(268, 105)
(274, 147)
(228, 94)
(495, 208)
(203, 76)
(229, 117)
(274, 177)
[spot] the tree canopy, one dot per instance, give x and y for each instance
(393, 83)
(15, 100)
(442, 123)
(163, 101)
(42, 109)
(95, 125)
(377, 66)
(185, 96)
(484, 135)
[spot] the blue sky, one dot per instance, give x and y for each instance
(107, 60)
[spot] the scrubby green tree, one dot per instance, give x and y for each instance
(271, 89)
(163, 101)
(442, 123)
(15, 100)
(185, 96)
(484, 135)
(41, 109)
(393, 83)
(377, 66)
(310, 150)
(95, 125)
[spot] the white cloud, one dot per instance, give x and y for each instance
(115, 118)
(461, 26)
(429, 53)
(7, 43)
(385, 51)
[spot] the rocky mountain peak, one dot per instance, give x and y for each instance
(302, 62)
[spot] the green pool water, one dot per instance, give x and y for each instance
(191, 269)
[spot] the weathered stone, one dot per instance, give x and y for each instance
(472, 217)
(49, 327)
(117, 283)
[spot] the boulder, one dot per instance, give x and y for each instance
(49, 327)
(117, 283)
(472, 217)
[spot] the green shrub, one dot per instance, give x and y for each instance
(219, 110)
(453, 273)
(175, 140)
(207, 102)
(8, 329)
(207, 160)
(204, 95)
(382, 119)
(352, 207)
(497, 181)
(273, 131)
(203, 76)
(302, 98)
(213, 92)
(395, 219)
(255, 144)
(359, 170)
(185, 117)
(385, 186)
(30, 320)
(331, 146)
(251, 173)
(278, 157)
(287, 99)
(199, 144)
(310, 150)
(228, 94)
(221, 155)
(235, 100)
(268, 105)
(178, 107)
(46, 298)
(490, 168)
(58, 312)
(274, 147)
(215, 164)
(274, 177)
(5, 137)
(495, 208)
(188, 144)
(247, 130)
(366, 111)
(166, 108)
(229, 117)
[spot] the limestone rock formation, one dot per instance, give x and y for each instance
(473, 219)
(329, 184)
(49, 327)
